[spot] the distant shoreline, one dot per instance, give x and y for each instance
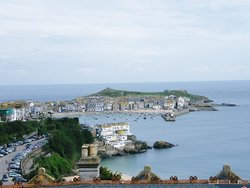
(76, 114)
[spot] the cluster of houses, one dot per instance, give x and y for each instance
(38, 110)
(11, 114)
(114, 134)
(98, 104)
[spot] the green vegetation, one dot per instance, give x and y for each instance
(66, 138)
(12, 131)
(55, 165)
(108, 92)
(106, 174)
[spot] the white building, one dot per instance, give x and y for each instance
(115, 133)
(182, 102)
(99, 107)
(20, 113)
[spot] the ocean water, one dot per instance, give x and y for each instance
(206, 140)
(229, 91)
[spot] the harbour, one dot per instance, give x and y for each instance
(206, 141)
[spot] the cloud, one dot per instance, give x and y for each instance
(85, 70)
(201, 69)
(129, 37)
(12, 71)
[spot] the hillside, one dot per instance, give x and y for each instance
(109, 92)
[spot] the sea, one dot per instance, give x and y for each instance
(206, 140)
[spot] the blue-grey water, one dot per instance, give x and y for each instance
(206, 140)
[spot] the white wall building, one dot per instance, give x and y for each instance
(20, 113)
(115, 133)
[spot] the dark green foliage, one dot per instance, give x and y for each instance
(65, 139)
(55, 165)
(106, 174)
(87, 137)
(11, 131)
(31, 174)
(65, 142)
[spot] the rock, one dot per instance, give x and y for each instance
(120, 153)
(114, 153)
(162, 145)
(132, 137)
(103, 155)
(140, 145)
(134, 151)
(205, 107)
(137, 147)
(227, 104)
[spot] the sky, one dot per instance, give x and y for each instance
(123, 41)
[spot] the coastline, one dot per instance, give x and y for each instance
(77, 114)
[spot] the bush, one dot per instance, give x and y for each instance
(106, 174)
(11, 131)
(66, 138)
(55, 165)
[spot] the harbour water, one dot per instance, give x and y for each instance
(206, 140)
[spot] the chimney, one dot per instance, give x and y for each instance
(93, 150)
(84, 151)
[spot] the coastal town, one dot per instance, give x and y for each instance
(172, 104)
(110, 139)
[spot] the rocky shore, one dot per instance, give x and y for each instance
(134, 147)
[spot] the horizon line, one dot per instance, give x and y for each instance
(100, 83)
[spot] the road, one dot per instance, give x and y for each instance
(4, 164)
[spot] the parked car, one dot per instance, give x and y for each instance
(14, 166)
(5, 178)
(27, 145)
(14, 174)
(19, 179)
(19, 143)
(15, 163)
(27, 141)
(3, 152)
(15, 170)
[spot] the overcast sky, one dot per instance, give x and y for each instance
(112, 41)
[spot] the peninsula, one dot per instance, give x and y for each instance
(169, 103)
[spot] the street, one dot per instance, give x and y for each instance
(4, 161)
